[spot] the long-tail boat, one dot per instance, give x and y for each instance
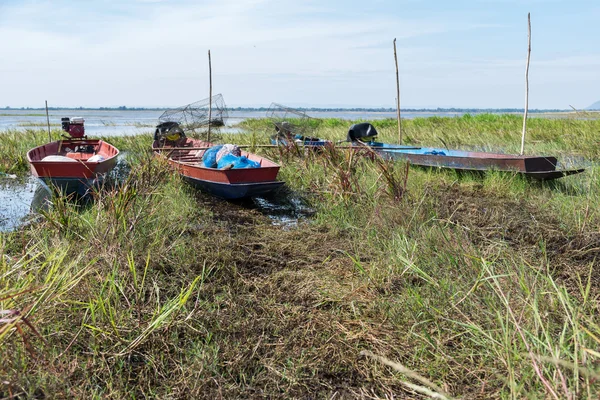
(74, 164)
(536, 167)
(186, 156)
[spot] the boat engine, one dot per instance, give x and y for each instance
(365, 132)
(170, 131)
(73, 126)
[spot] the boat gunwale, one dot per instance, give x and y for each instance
(99, 142)
(481, 155)
(196, 170)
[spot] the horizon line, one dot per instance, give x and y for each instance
(323, 108)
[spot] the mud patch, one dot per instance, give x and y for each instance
(283, 209)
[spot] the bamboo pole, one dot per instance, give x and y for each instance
(526, 83)
(273, 146)
(398, 96)
(48, 121)
(268, 146)
(209, 96)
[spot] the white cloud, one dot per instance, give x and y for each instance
(152, 52)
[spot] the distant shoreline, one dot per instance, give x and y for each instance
(317, 109)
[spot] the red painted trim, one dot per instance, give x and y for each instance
(192, 166)
(76, 170)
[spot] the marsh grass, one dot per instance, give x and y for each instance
(485, 132)
(16, 144)
(482, 286)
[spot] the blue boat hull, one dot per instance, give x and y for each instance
(233, 191)
(67, 186)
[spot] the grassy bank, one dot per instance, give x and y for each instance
(481, 287)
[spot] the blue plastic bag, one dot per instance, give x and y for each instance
(209, 158)
(233, 162)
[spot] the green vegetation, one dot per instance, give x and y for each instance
(489, 132)
(479, 286)
(16, 144)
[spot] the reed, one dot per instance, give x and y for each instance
(490, 132)
(478, 287)
(16, 144)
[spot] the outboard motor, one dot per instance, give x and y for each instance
(74, 127)
(365, 132)
(169, 130)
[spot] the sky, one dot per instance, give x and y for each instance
(301, 53)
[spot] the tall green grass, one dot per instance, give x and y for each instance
(464, 300)
(16, 144)
(479, 287)
(489, 132)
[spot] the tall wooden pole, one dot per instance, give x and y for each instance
(48, 121)
(526, 83)
(398, 97)
(209, 96)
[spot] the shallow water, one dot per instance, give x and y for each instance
(18, 199)
(285, 210)
(21, 199)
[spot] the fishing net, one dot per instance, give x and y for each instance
(195, 115)
(290, 122)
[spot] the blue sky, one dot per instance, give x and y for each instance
(301, 53)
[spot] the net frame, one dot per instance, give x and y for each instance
(290, 121)
(195, 115)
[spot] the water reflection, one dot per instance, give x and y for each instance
(284, 208)
(18, 199)
(42, 199)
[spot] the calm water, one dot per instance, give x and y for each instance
(129, 122)
(18, 199)
(97, 122)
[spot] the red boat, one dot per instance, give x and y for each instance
(73, 165)
(185, 155)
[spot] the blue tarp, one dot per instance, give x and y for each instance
(209, 159)
(236, 162)
(210, 156)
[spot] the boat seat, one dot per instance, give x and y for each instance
(79, 156)
(186, 158)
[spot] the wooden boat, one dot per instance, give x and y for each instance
(72, 165)
(536, 167)
(185, 155)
